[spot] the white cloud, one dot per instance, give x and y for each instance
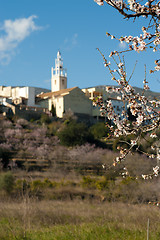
(74, 39)
(122, 45)
(14, 32)
(47, 80)
(71, 42)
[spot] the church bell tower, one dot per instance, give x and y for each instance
(58, 75)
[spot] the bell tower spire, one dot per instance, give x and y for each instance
(58, 75)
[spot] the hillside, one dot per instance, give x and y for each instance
(52, 191)
(149, 94)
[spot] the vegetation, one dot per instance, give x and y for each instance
(55, 183)
(143, 116)
(71, 190)
(99, 130)
(73, 134)
(77, 220)
(7, 182)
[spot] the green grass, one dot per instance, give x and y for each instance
(90, 231)
(77, 220)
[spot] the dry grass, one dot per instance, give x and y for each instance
(87, 220)
(49, 213)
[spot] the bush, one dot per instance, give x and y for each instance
(73, 134)
(123, 141)
(7, 182)
(94, 183)
(53, 127)
(88, 182)
(5, 154)
(45, 119)
(23, 122)
(102, 183)
(99, 130)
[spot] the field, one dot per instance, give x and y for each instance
(67, 220)
(77, 201)
(55, 192)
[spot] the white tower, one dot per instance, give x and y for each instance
(58, 75)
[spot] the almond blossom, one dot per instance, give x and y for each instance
(146, 117)
(133, 9)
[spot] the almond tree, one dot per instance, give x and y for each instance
(145, 111)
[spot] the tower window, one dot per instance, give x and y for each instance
(62, 81)
(55, 82)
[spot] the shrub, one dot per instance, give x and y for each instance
(54, 127)
(99, 130)
(45, 119)
(74, 134)
(102, 183)
(94, 183)
(23, 122)
(123, 141)
(88, 182)
(7, 182)
(5, 154)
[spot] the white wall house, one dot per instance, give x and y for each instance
(21, 95)
(94, 92)
(61, 97)
(102, 91)
(67, 99)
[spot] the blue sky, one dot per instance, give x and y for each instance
(32, 31)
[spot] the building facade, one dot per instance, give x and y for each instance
(60, 97)
(21, 95)
(58, 75)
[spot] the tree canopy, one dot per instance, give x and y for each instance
(146, 113)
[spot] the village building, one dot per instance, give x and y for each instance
(72, 99)
(63, 98)
(20, 95)
(79, 101)
(43, 100)
(102, 92)
(21, 101)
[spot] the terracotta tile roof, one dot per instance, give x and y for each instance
(55, 94)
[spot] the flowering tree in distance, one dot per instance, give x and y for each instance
(144, 111)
